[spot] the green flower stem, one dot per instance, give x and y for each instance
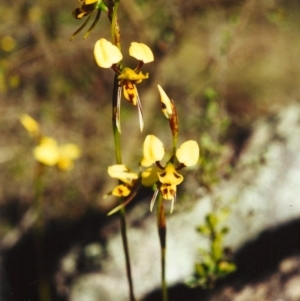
(117, 136)
(115, 29)
(39, 237)
(118, 154)
(162, 232)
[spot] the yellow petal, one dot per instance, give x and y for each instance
(122, 173)
(70, 151)
(149, 176)
(106, 54)
(188, 153)
(141, 52)
(170, 175)
(153, 151)
(30, 125)
(47, 152)
(67, 154)
(166, 104)
(65, 164)
(130, 92)
(129, 74)
(121, 190)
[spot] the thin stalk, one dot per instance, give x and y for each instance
(118, 154)
(115, 29)
(39, 235)
(162, 232)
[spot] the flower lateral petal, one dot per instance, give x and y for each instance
(141, 52)
(106, 54)
(131, 75)
(188, 153)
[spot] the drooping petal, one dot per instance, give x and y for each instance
(129, 74)
(188, 153)
(106, 54)
(83, 11)
(141, 52)
(47, 152)
(153, 199)
(140, 112)
(153, 151)
(123, 173)
(170, 175)
(93, 24)
(166, 104)
(30, 125)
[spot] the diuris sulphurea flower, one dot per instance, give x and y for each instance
(108, 55)
(166, 176)
(87, 9)
(125, 188)
(48, 151)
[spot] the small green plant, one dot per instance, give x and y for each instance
(215, 262)
(214, 126)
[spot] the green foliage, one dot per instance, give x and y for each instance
(214, 127)
(215, 263)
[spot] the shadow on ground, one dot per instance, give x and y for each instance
(256, 260)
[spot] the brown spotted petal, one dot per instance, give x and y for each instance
(121, 191)
(168, 191)
(130, 92)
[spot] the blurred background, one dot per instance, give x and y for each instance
(226, 63)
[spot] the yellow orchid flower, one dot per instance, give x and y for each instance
(87, 8)
(168, 177)
(128, 180)
(126, 176)
(47, 151)
(50, 153)
(108, 55)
